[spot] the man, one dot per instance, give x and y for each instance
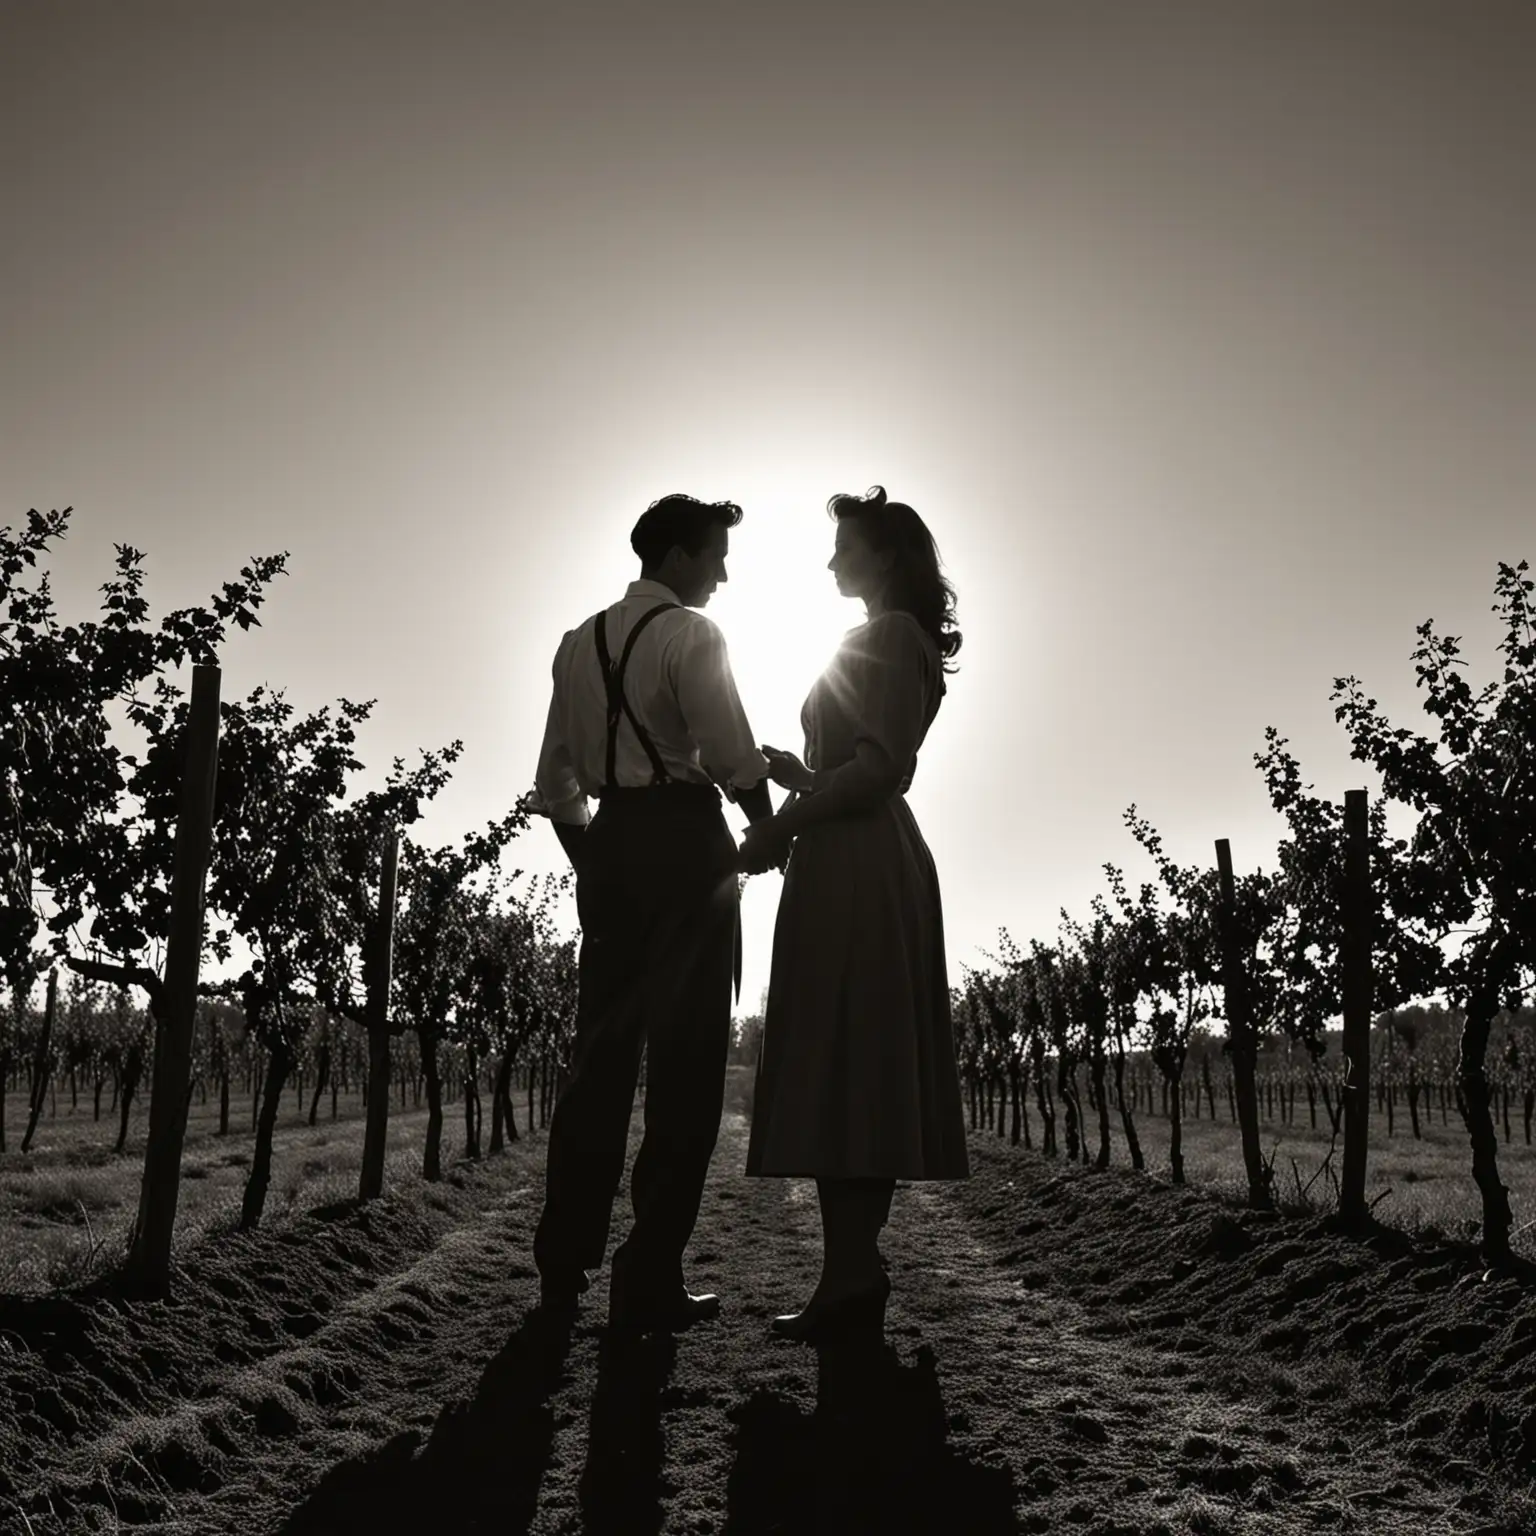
(645, 717)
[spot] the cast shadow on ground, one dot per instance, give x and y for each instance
(482, 1466)
(873, 1457)
(621, 1486)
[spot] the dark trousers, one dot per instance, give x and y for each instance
(657, 897)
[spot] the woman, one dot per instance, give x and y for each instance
(857, 1084)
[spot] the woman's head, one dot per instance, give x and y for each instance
(885, 554)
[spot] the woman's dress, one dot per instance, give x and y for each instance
(857, 1076)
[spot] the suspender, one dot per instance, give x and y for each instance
(613, 681)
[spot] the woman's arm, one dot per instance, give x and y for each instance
(885, 687)
(868, 780)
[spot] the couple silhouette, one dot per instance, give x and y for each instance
(857, 1084)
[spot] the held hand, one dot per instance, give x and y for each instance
(787, 771)
(763, 848)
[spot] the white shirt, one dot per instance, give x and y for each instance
(679, 685)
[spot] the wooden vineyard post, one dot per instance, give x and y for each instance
(379, 970)
(1355, 958)
(1242, 1038)
(149, 1259)
(42, 1060)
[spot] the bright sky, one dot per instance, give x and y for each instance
(1201, 335)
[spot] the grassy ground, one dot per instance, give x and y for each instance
(1063, 1351)
(66, 1206)
(1424, 1186)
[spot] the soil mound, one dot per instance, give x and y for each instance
(1065, 1350)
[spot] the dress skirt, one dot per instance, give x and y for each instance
(857, 1076)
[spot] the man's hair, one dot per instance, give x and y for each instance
(681, 522)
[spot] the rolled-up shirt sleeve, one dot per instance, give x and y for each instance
(711, 707)
(556, 791)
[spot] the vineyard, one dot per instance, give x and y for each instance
(1417, 1110)
(373, 960)
(276, 1073)
(1354, 923)
(63, 1198)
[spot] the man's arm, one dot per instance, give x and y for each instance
(556, 792)
(755, 802)
(712, 711)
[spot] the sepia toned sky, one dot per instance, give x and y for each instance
(1202, 335)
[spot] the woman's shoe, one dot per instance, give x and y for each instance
(860, 1312)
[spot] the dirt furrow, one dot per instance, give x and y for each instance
(1104, 1433)
(1013, 1394)
(1007, 1406)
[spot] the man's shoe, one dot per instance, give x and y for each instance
(670, 1315)
(562, 1293)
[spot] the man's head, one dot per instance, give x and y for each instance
(682, 543)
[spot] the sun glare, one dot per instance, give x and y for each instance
(780, 609)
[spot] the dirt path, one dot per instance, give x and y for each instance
(434, 1399)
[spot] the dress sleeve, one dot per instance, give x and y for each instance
(882, 682)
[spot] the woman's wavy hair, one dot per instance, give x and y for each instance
(916, 584)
